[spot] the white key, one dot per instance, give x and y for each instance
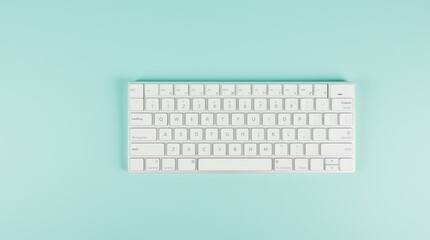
(234, 149)
(165, 134)
(340, 134)
(214, 104)
(227, 134)
(168, 164)
(296, 149)
(304, 134)
(250, 149)
(135, 90)
(152, 164)
(207, 119)
(222, 119)
(186, 164)
(196, 89)
(191, 119)
(136, 164)
(346, 164)
(306, 104)
(344, 104)
(253, 119)
(237, 119)
(188, 149)
(181, 89)
(320, 90)
(288, 134)
(245, 104)
(305, 90)
(283, 164)
(269, 119)
(331, 161)
(220, 149)
(160, 119)
(242, 134)
(301, 164)
(181, 134)
(330, 119)
(166, 89)
(276, 104)
(281, 149)
(136, 104)
(317, 164)
(265, 149)
(212, 89)
(196, 134)
(143, 134)
(322, 104)
(311, 149)
(204, 149)
(141, 119)
(284, 119)
(291, 104)
(211, 134)
(259, 89)
(345, 119)
(319, 134)
(342, 91)
(175, 119)
(146, 149)
(173, 149)
(339, 149)
(299, 119)
(273, 134)
(151, 90)
(199, 104)
(228, 89)
(229, 104)
(275, 89)
(260, 104)
(257, 134)
(183, 104)
(331, 167)
(152, 104)
(167, 104)
(235, 164)
(290, 90)
(243, 89)
(315, 119)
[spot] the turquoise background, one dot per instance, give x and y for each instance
(64, 67)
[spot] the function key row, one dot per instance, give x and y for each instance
(140, 90)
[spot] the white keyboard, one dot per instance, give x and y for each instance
(245, 126)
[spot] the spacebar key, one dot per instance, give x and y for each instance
(235, 164)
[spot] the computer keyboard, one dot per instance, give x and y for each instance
(241, 127)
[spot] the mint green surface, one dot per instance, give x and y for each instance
(64, 68)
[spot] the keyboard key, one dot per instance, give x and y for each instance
(151, 90)
(283, 164)
(181, 89)
(136, 104)
(243, 90)
(152, 164)
(186, 164)
(290, 90)
(235, 164)
(212, 89)
(152, 104)
(143, 134)
(340, 134)
(305, 90)
(342, 91)
(340, 149)
(136, 164)
(135, 90)
(346, 164)
(166, 89)
(259, 89)
(301, 164)
(147, 149)
(168, 164)
(320, 90)
(345, 119)
(317, 164)
(141, 119)
(341, 104)
(275, 89)
(228, 89)
(196, 89)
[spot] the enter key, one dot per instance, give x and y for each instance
(340, 134)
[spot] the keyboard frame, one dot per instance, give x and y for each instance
(328, 82)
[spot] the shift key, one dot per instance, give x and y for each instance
(150, 149)
(338, 149)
